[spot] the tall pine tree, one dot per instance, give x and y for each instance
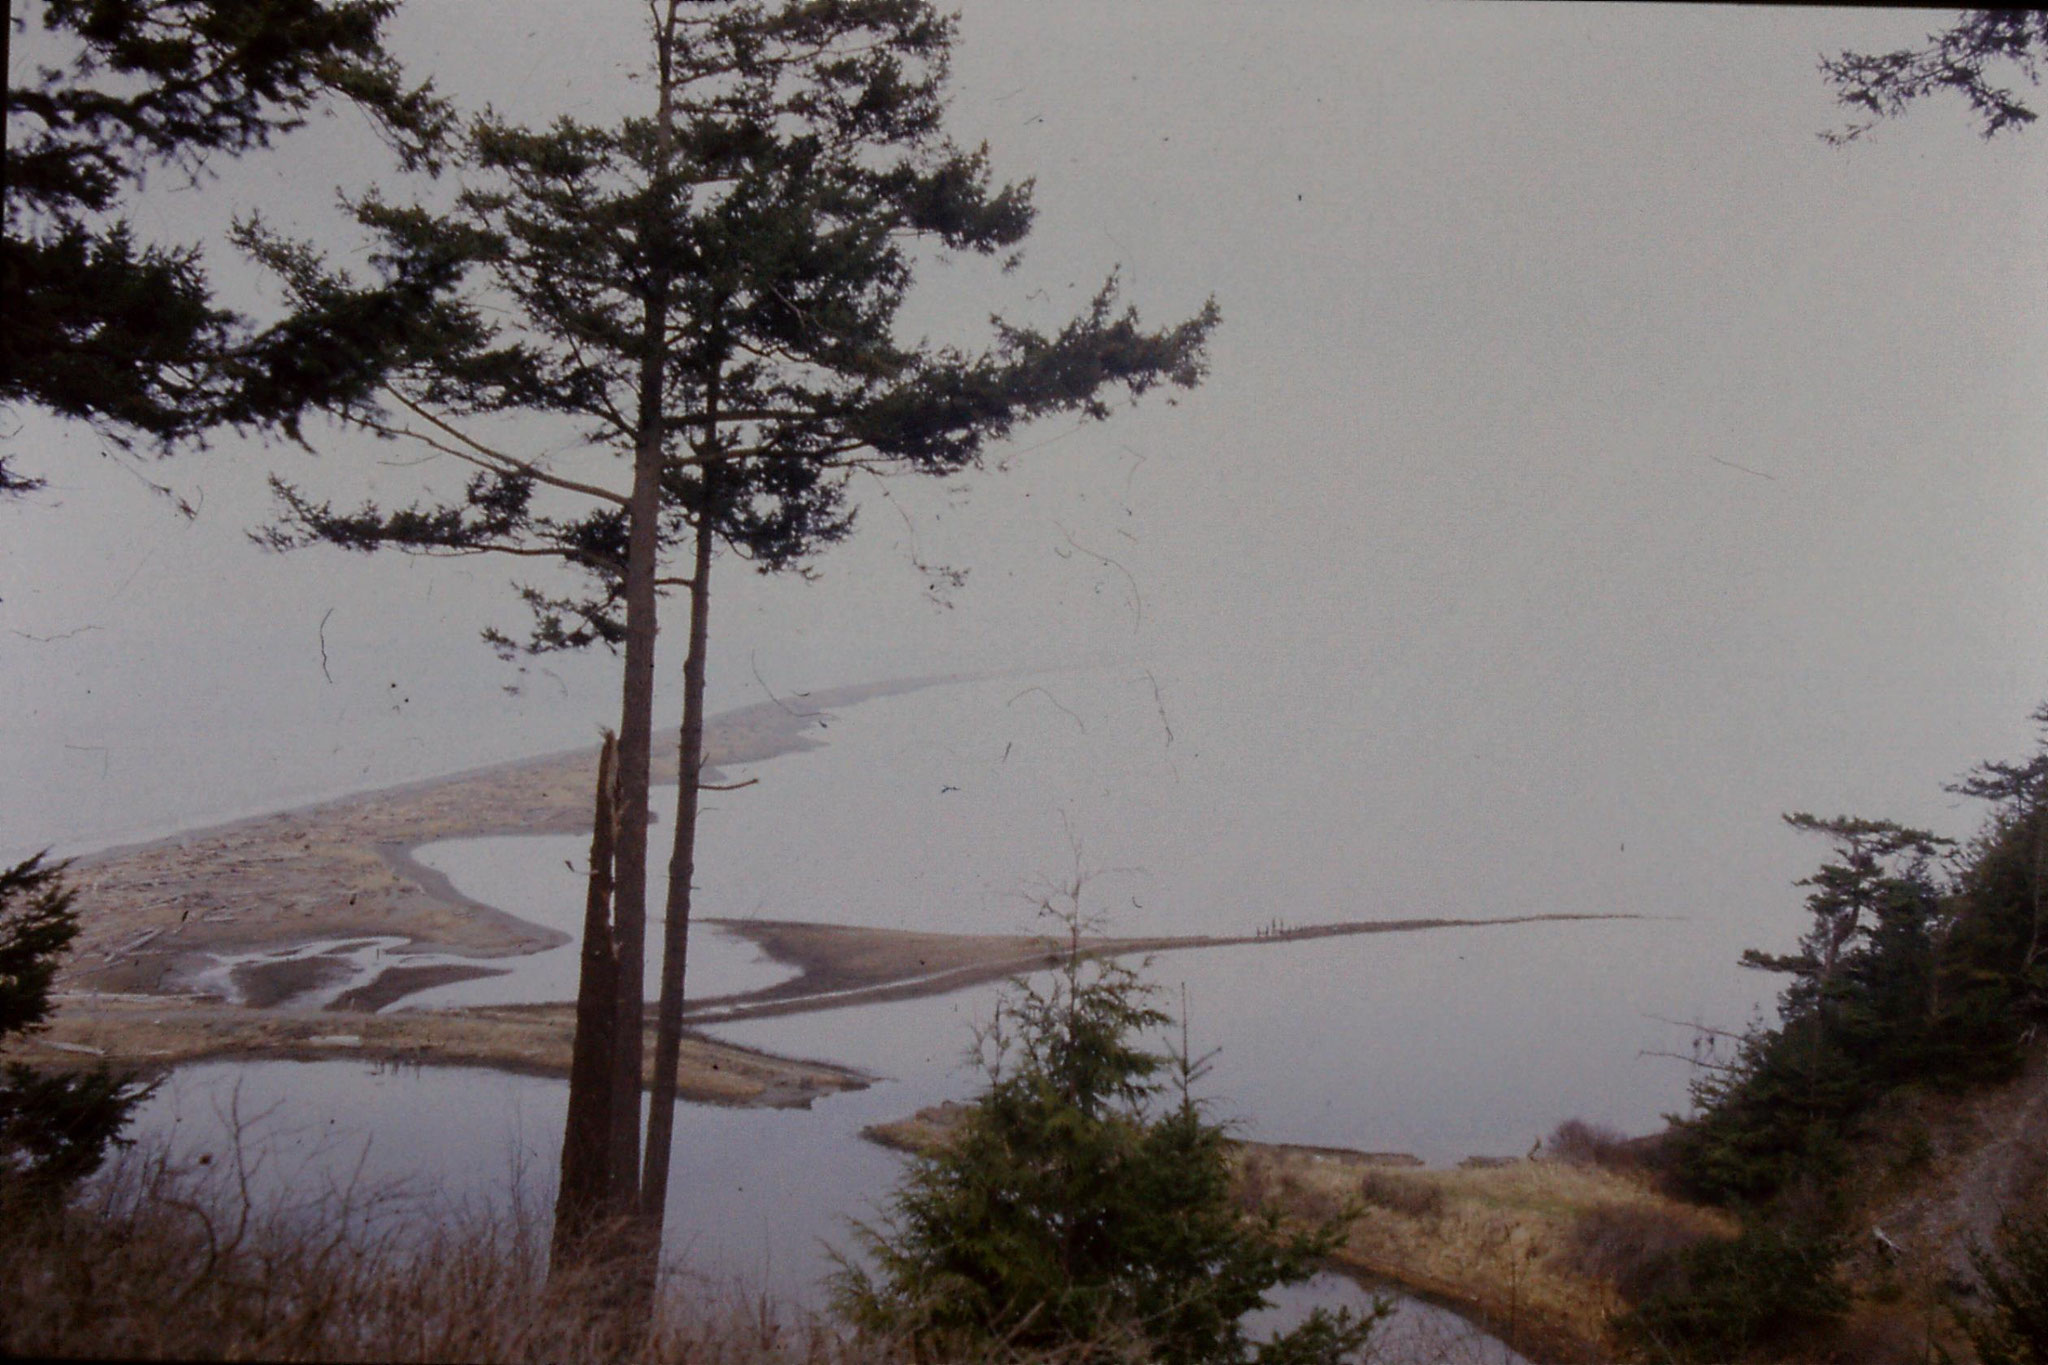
(709, 292)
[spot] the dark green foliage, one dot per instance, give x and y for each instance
(1865, 1012)
(36, 926)
(2000, 950)
(1924, 965)
(708, 294)
(1961, 59)
(1747, 1298)
(124, 334)
(724, 282)
(54, 1129)
(2013, 1328)
(1084, 1200)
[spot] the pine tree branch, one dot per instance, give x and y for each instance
(497, 462)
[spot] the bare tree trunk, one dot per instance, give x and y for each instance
(682, 869)
(636, 735)
(586, 1139)
(636, 720)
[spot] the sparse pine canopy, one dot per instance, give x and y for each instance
(1085, 1202)
(773, 216)
(1923, 964)
(707, 294)
(1973, 59)
(125, 334)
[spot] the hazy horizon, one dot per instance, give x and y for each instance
(1594, 464)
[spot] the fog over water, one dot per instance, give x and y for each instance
(1594, 465)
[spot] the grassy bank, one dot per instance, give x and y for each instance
(1537, 1250)
(1541, 1251)
(157, 1263)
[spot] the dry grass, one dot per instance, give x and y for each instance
(1533, 1248)
(1408, 1193)
(156, 1263)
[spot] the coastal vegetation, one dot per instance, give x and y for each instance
(55, 1125)
(1920, 985)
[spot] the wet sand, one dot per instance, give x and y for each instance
(839, 965)
(151, 914)
(152, 1034)
(155, 917)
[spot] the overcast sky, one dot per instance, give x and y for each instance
(1591, 456)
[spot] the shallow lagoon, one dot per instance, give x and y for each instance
(956, 809)
(758, 1198)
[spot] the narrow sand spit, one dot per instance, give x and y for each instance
(276, 935)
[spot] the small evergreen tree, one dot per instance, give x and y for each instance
(1086, 1200)
(54, 1129)
(1755, 1296)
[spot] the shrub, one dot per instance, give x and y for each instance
(1402, 1194)
(1626, 1244)
(1735, 1299)
(1579, 1143)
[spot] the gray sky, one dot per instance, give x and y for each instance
(1592, 457)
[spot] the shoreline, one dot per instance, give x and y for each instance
(343, 868)
(254, 937)
(153, 1035)
(265, 908)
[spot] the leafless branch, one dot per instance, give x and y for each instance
(52, 639)
(1137, 599)
(1055, 701)
(752, 663)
